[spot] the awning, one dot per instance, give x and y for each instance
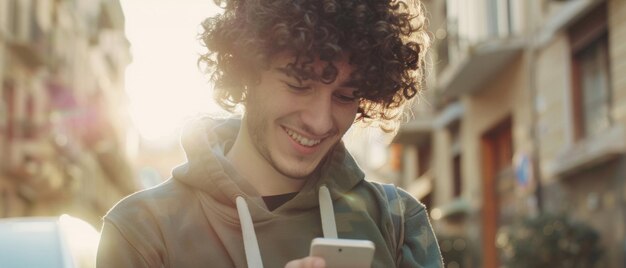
(420, 129)
(415, 131)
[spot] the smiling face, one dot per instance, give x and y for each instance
(294, 123)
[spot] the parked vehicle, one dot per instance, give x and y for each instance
(47, 242)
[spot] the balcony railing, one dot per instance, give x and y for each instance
(475, 47)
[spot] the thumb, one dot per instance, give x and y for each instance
(308, 262)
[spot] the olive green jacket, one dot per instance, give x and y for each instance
(191, 220)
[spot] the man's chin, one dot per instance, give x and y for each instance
(300, 169)
(297, 174)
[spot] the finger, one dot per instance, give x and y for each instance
(308, 262)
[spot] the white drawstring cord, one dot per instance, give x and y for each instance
(327, 213)
(250, 244)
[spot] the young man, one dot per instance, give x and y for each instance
(257, 190)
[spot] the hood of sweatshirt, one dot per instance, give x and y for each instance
(206, 142)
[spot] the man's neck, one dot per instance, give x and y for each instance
(256, 169)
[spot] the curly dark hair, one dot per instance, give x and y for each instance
(386, 42)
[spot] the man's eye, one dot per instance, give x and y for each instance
(345, 99)
(297, 88)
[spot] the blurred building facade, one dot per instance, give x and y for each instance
(65, 141)
(525, 113)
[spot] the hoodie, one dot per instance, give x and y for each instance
(207, 215)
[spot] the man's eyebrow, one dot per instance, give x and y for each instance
(292, 73)
(350, 83)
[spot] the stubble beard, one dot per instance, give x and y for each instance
(257, 129)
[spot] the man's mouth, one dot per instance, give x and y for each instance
(304, 141)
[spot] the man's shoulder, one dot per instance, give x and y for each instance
(409, 201)
(159, 199)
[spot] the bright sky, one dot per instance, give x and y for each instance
(163, 82)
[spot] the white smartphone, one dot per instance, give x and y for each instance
(340, 253)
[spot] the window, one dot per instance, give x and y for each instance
(13, 12)
(4, 196)
(9, 98)
(457, 174)
(28, 123)
(424, 158)
(442, 38)
(499, 18)
(591, 89)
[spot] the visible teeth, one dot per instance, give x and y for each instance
(302, 140)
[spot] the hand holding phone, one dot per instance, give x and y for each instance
(339, 253)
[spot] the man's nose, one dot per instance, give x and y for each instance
(318, 115)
